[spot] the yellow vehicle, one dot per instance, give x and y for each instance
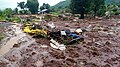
(28, 29)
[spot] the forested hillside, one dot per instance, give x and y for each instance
(65, 4)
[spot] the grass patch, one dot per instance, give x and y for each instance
(14, 19)
(2, 18)
(55, 13)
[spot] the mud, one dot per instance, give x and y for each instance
(101, 48)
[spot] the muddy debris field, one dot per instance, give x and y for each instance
(100, 48)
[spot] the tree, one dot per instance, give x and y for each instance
(32, 5)
(85, 6)
(16, 11)
(1, 13)
(79, 7)
(45, 6)
(21, 5)
(96, 5)
(8, 12)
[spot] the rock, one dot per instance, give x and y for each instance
(16, 45)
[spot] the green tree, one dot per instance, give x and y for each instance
(42, 7)
(8, 12)
(97, 5)
(32, 5)
(21, 5)
(45, 6)
(79, 7)
(1, 13)
(16, 11)
(113, 9)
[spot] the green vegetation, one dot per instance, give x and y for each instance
(55, 13)
(79, 6)
(61, 5)
(13, 19)
(113, 9)
(97, 5)
(89, 7)
(92, 7)
(15, 11)
(7, 13)
(45, 6)
(21, 5)
(84, 6)
(32, 5)
(65, 4)
(2, 18)
(27, 8)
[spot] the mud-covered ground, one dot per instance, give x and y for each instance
(101, 48)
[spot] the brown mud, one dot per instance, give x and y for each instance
(101, 48)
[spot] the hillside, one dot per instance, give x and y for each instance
(61, 5)
(65, 4)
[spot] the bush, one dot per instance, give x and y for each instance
(55, 13)
(2, 18)
(9, 19)
(16, 19)
(117, 12)
(101, 11)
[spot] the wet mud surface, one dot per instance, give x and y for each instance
(101, 48)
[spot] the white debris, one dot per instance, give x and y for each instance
(54, 42)
(44, 46)
(53, 46)
(52, 25)
(63, 33)
(56, 45)
(107, 13)
(62, 47)
(74, 20)
(79, 31)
